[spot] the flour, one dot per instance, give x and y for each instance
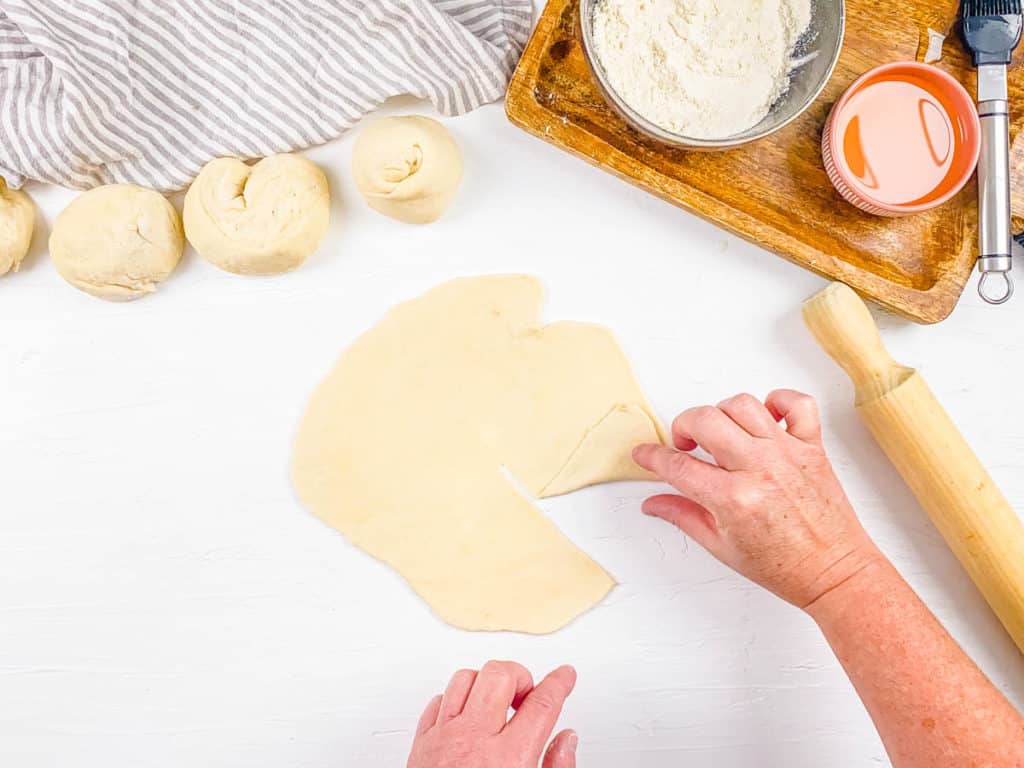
(699, 68)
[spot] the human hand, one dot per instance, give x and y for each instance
(772, 509)
(469, 727)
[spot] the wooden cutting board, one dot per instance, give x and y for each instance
(775, 193)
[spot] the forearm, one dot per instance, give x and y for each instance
(931, 705)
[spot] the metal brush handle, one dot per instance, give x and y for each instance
(994, 236)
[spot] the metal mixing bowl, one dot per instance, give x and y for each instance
(818, 52)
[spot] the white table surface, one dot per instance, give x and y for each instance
(166, 601)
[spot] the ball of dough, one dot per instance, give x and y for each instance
(260, 219)
(407, 168)
(117, 242)
(17, 219)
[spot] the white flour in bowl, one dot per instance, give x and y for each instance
(703, 69)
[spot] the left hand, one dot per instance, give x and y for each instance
(469, 727)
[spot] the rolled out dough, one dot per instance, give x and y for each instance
(405, 446)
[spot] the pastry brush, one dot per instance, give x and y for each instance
(991, 30)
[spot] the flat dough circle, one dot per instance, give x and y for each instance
(407, 168)
(260, 219)
(17, 220)
(117, 242)
(405, 445)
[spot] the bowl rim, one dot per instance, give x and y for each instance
(969, 113)
(645, 126)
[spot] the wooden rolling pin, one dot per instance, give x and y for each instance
(906, 419)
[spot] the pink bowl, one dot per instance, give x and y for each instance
(905, 138)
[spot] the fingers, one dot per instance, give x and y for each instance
(429, 717)
(694, 478)
(455, 695)
(800, 412)
(686, 515)
(499, 685)
(562, 752)
(535, 719)
(751, 414)
(715, 432)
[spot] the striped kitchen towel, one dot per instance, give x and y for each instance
(147, 91)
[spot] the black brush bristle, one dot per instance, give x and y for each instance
(975, 8)
(991, 29)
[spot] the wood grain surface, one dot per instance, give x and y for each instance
(776, 192)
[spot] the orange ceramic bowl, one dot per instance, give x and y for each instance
(905, 138)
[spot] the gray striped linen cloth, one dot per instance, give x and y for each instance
(147, 91)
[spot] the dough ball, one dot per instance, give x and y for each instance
(407, 168)
(260, 219)
(17, 219)
(117, 242)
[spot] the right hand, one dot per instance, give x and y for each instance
(770, 507)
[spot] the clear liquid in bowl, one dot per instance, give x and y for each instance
(900, 139)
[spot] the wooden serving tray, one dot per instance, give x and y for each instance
(775, 193)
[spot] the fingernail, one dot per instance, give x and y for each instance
(649, 509)
(572, 741)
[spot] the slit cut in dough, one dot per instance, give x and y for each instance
(403, 445)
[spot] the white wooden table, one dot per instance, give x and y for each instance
(165, 600)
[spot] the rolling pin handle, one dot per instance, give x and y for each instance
(845, 329)
(927, 449)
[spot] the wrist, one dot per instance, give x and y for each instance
(865, 579)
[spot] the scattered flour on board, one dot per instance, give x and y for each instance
(699, 68)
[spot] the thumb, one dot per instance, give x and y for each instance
(686, 515)
(562, 752)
